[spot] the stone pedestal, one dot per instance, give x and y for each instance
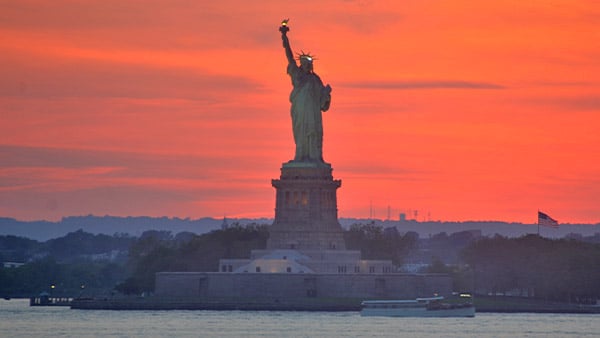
(306, 209)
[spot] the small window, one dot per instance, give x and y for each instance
(304, 198)
(258, 269)
(288, 269)
(224, 268)
(230, 268)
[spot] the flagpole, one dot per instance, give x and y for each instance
(538, 222)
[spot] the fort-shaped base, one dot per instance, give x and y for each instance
(306, 209)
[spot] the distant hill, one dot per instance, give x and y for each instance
(135, 226)
(487, 228)
(109, 225)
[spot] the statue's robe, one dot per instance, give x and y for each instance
(309, 97)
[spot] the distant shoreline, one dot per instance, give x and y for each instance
(484, 305)
(136, 225)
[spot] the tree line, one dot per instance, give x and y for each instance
(78, 264)
(563, 270)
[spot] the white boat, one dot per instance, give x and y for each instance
(420, 307)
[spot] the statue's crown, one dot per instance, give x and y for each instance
(306, 56)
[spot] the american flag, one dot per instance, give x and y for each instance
(546, 220)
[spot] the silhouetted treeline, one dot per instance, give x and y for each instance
(78, 263)
(44, 230)
(74, 245)
(77, 278)
(83, 263)
(376, 242)
(155, 252)
(80, 243)
(17, 249)
(565, 270)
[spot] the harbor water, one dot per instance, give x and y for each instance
(18, 319)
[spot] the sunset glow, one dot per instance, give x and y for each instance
(457, 110)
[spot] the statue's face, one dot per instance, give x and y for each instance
(306, 66)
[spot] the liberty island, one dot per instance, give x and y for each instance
(305, 265)
(306, 261)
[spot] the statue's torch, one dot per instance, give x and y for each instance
(284, 26)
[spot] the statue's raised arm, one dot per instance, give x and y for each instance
(286, 42)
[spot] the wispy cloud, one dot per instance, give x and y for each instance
(434, 84)
(126, 164)
(63, 181)
(103, 79)
(581, 103)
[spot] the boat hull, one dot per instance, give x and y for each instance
(465, 311)
(420, 307)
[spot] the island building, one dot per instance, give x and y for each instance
(306, 256)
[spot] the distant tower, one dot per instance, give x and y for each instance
(224, 225)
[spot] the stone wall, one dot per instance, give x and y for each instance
(292, 286)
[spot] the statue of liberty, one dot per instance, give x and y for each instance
(309, 97)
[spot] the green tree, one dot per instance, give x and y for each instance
(565, 270)
(152, 254)
(375, 242)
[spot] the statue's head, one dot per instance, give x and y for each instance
(306, 62)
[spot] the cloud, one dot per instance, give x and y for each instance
(35, 170)
(59, 181)
(50, 78)
(436, 84)
(126, 164)
(152, 24)
(565, 84)
(91, 14)
(365, 22)
(582, 103)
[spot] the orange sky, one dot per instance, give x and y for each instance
(459, 110)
